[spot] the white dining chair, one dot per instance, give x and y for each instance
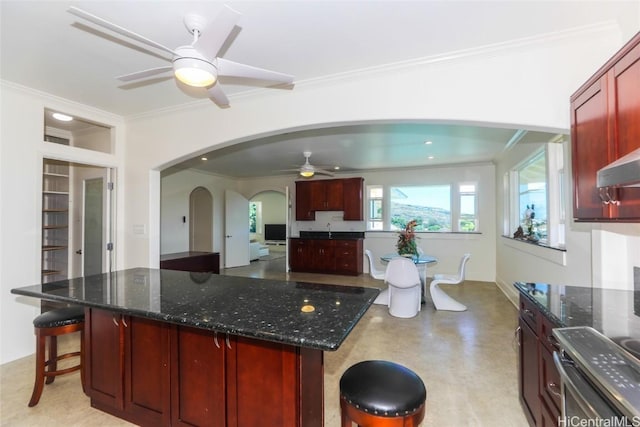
(405, 287)
(373, 270)
(440, 299)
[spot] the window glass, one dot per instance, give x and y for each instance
(468, 220)
(375, 194)
(65, 129)
(429, 205)
(532, 197)
(255, 210)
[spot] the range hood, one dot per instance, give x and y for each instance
(624, 172)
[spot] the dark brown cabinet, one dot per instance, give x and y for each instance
(538, 378)
(352, 193)
(331, 256)
(605, 125)
(202, 262)
(329, 195)
(154, 374)
(127, 371)
(326, 195)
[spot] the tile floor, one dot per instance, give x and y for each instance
(467, 361)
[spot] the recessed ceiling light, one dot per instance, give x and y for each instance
(336, 168)
(430, 157)
(428, 142)
(203, 158)
(62, 117)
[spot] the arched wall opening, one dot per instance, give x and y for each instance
(510, 88)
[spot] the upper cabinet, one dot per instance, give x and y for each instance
(329, 195)
(605, 125)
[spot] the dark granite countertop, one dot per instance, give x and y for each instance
(271, 310)
(324, 235)
(615, 313)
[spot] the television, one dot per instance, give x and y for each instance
(275, 232)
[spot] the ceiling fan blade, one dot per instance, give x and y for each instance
(323, 172)
(235, 69)
(144, 74)
(118, 29)
(214, 35)
(217, 96)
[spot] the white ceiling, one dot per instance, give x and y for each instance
(46, 48)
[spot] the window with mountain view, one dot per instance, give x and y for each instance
(436, 208)
(429, 205)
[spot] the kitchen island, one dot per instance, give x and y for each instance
(169, 347)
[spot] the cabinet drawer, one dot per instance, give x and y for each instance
(529, 313)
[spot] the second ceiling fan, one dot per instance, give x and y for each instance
(196, 64)
(307, 170)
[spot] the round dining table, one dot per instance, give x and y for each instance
(421, 261)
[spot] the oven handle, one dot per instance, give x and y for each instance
(582, 391)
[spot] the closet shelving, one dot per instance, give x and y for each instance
(55, 220)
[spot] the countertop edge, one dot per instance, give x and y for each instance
(216, 327)
(521, 287)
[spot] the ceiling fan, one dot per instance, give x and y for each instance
(196, 64)
(307, 170)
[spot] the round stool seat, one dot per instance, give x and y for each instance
(59, 317)
(383, 388)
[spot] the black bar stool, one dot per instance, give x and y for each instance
(48, 326)
(378, 393)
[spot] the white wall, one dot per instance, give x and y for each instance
(23, 148)
(176, 189)
(521, 261)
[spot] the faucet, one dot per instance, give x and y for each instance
(329, 227)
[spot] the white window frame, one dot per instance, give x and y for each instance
(555, 195)
(454, 205)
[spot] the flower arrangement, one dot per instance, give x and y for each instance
(407, 239)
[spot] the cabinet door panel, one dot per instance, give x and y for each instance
(105, 358)
(147, 369)
(318, 193)
(529, 371)
(198, 378)
(263, 390)
(334, 195)
(352, 199)
(590, 150)
(626, 94)
(303, 202)
(322, 258)
(548, 417)
(299, 254)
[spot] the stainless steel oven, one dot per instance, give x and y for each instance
(600, 380)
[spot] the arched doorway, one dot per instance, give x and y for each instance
(201, 220)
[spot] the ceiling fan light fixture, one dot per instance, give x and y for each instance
(194, 72)
(306, 174)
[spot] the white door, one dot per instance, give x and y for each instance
(236, 233)
(93, 229)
